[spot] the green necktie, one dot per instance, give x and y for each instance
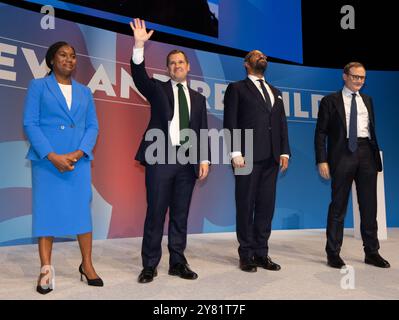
(183, 112)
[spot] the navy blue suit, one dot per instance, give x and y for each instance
(361, 166)
(245, 108)
(169, 185)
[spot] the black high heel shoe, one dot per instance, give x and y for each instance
(49, 284)
(91, 282)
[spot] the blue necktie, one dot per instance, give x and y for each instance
(353, 125)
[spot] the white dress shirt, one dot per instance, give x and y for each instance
(255, 79)
(66, 90)
(362, 113)
(174, 127)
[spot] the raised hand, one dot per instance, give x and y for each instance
(140, 33)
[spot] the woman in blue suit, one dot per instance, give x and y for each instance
(61, 125)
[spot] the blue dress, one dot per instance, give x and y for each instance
(60, 201)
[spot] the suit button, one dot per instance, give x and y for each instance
(270, 128)
(62, 127)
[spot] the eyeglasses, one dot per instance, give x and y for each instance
(356, 77)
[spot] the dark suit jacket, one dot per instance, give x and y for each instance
(245, 108)
(160, 96)
(331, 130)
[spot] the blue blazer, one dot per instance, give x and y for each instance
(51, 127)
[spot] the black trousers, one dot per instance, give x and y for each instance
(255, 198)
(168, 186)
(360, 167)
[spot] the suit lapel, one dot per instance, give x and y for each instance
(193, 105)
(275, 95)
(368, 106)
(257, 94)
(169, 93)
(76, 98)
(56, 91)
(341, 109)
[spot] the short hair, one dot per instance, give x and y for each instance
(248, 56)
(353, 65)
(52, 50)
(176, 51)
(251, 53)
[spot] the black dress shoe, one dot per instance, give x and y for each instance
(266, 263)
(98, 282)
(247, 265)
(147, 275)
(46, 285)
(42, 290)
(183, 271)
(335, 261)
(376, 260)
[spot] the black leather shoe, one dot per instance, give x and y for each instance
(183, 271)
(266, 263)
(247, 265)
(376, 260)
(147, 275)
(335, 261)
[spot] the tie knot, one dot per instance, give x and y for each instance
(179, 85)
(354, 95)
(260, 80)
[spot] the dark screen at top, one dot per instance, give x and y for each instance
(190, 15)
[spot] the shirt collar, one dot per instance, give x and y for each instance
(184, 83)
(348, 92)
(255, 78)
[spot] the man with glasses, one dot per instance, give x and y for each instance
(346, 151)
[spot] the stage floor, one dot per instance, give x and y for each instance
(304, 273)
